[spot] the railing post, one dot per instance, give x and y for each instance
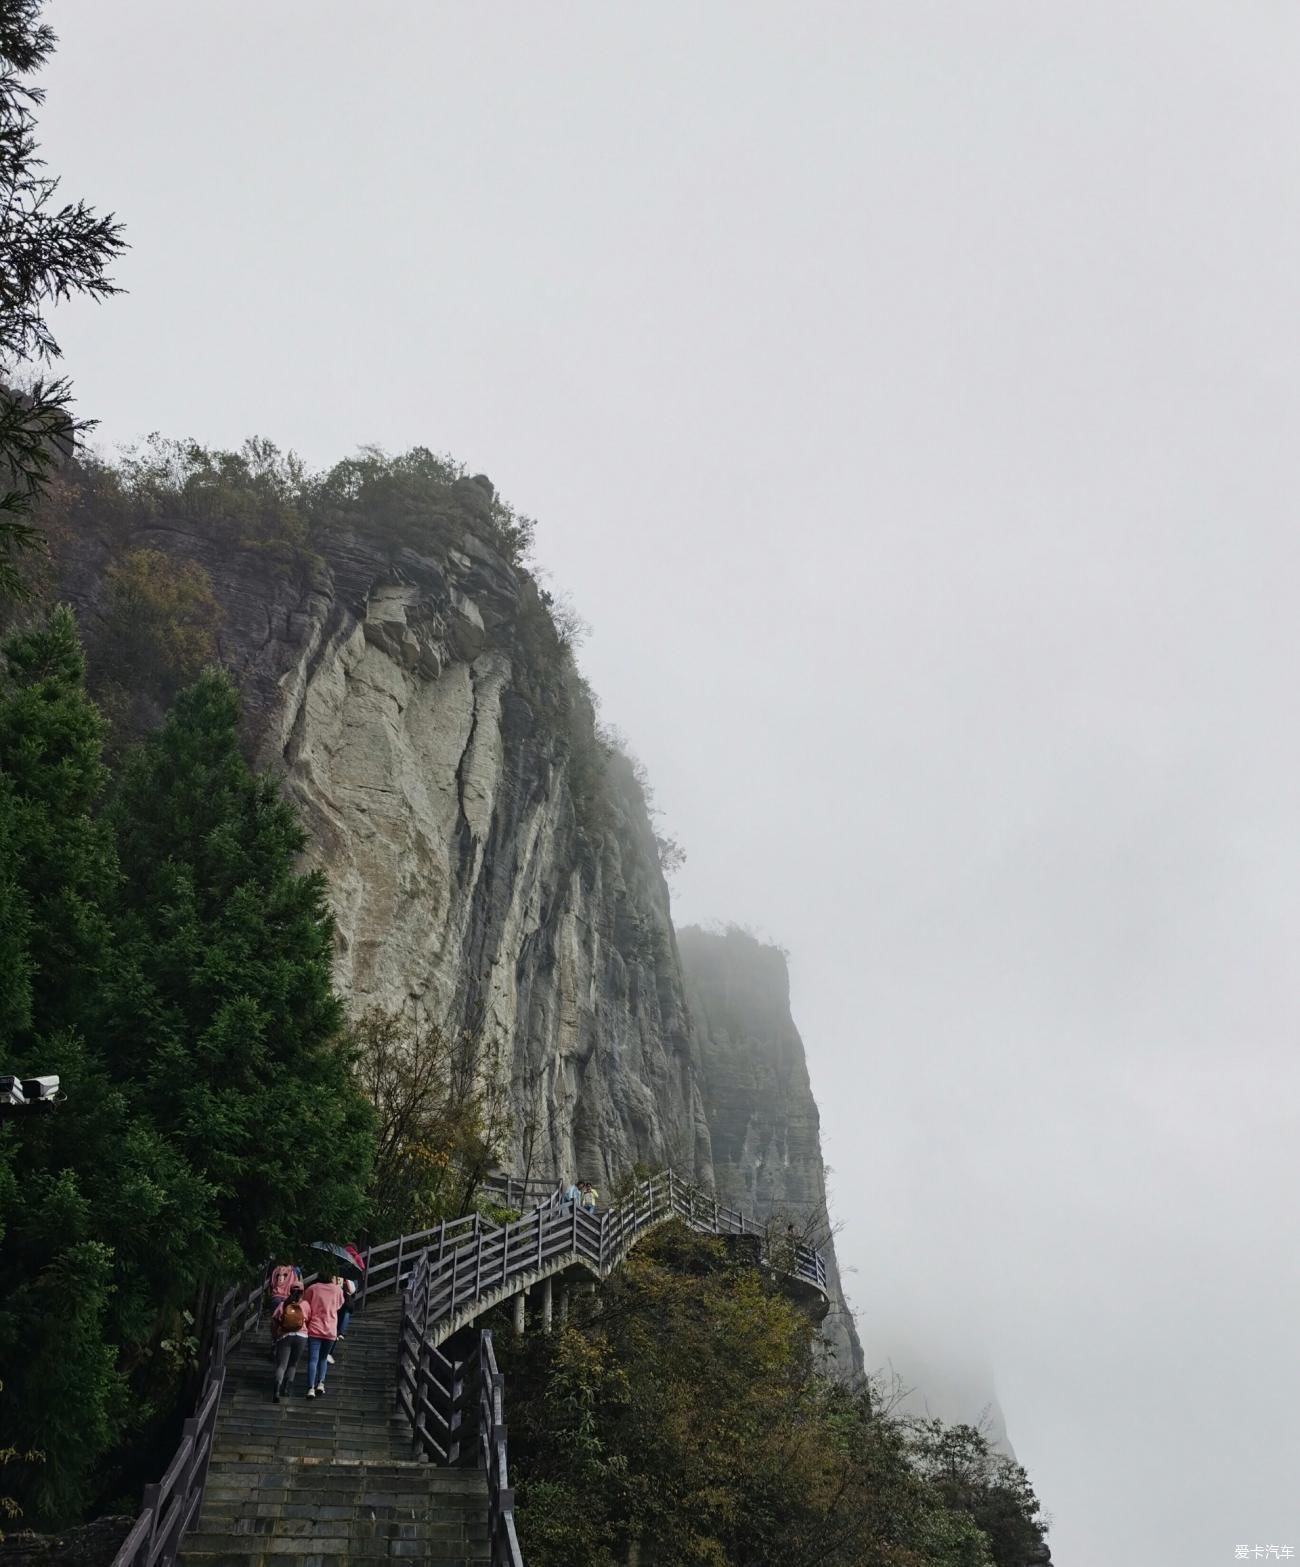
(149, 1503)
(365, 1276)
(400, 1239)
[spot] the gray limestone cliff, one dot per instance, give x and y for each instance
(764, 1128)
(491, 862)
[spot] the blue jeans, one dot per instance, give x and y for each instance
(345, 1316)
(317, 1349)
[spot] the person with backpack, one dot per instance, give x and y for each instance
(289, 1327)
(323, 1300)
(284, 1276)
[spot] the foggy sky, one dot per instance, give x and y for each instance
(907, 394)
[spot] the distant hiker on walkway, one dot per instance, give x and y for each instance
(589, 1196)
(289, 1327)
(571, 1193)
(323, 1299)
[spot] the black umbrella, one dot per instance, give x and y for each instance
(342, 1259)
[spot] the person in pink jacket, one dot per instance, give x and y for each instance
(323, 1300)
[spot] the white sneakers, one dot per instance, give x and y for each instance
(330, 1359)
(311, 1392)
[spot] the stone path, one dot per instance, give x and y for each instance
(328, 1481)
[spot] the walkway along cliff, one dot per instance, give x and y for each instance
(251, 1482)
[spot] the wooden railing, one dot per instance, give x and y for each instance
(461, 1271)
(447, 1276)
(169, 1508)
(493, 1458)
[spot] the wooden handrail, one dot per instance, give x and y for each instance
(170, 1507)
(446, 1283)
(441, 1273)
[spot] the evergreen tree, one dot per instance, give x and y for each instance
(15, 965)
(62, 1394)
(185, 1004)
(226, 1015)
(47, 253)
(61, 866)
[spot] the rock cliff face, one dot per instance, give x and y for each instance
(763, 1123)
(491, 865)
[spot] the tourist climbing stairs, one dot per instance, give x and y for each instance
(404, 1454)
(330, 1480)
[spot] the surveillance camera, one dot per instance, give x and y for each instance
(11, 1090)
(44, 1089)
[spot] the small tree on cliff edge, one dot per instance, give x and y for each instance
(226, 1012)
(47, 254)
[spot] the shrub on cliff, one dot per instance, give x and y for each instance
(442, 1112)
(260, 497)
(158, 632)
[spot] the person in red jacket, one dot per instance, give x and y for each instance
(323, 1301)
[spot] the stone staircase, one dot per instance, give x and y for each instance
(331, 1480)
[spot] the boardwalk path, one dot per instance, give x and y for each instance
(405, 1454)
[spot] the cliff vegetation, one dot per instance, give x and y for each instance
(679, 1417)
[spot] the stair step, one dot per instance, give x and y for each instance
(331, 1481)
(449, 1554)
(294, 1518)
(298, 1535)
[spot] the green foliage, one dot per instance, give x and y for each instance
(169, 963)
(442, 1118)
(257, 497)
(988, 1487)
(160, 624)
(678, 1419)
(262, 498)
(62, 866)
(224, 1010)
(48, 253)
